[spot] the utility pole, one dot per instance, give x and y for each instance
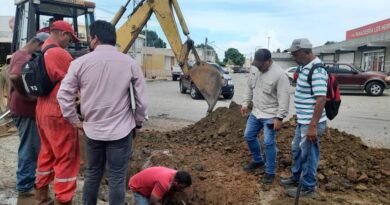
(205, 49)
(269, 37)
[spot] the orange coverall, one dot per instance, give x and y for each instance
(59, 157)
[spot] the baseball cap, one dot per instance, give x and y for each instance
(299, 44)
(261, 55)
(41, 36)
(64, 26)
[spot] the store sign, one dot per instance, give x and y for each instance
(375, 28)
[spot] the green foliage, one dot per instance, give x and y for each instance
(203, 45)
(153, 40)
(330, 42)
(234, 57)
(219, 62)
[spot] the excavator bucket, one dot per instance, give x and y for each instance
(209, 82)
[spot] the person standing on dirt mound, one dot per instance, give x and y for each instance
(152, 184)
(311, 120)
(268, 90)
(103, 78)
(23, 115)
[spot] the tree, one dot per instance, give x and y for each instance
(330, 42)
(202, 46)
(233, 56)
(153, 40)
(219, 62)
(209, 47)
(278, 50)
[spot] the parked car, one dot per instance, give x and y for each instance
(176, 72)
(186, 84)
(290, 74)
(351, 78)
(240, 70)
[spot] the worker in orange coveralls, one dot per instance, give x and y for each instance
(59, 158)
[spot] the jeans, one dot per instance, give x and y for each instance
(140, 200)
(253, 126)
(117, 154)
(27, 153)
(306, 156)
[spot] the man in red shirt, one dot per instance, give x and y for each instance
(59, 158)
(22, 109)
(152, 184)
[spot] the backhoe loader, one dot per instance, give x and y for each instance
(33, 15)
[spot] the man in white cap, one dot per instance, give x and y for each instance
(22, 109)
(309, 104)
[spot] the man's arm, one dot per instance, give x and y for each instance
(67, 93)
(283, 95)
(17, 83)
(318, 109)
(155, 200)
(248, 95)
(15, 74)
(319, 88)
(138, 81)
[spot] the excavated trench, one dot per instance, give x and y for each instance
(213, 151)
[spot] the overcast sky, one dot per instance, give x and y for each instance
(246, 24)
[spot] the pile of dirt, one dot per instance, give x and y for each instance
(213, 151)
(7, 127)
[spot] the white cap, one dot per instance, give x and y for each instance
(299, 44)
(42, 36)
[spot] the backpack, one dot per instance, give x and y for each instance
(35, 78)
(333, 97)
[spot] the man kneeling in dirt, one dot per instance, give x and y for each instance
(152, 184)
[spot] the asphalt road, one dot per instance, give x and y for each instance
(361, 115)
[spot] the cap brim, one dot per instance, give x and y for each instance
(75, 38)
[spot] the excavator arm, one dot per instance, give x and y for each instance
(206, 78)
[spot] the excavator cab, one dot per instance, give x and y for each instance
(34, 16)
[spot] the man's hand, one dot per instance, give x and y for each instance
(277, 124)
(244, 111)
(138, 126)
(78, 125)
(311, 134)
(31, 98)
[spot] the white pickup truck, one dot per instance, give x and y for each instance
(176, 72)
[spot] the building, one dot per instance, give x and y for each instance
(366, 47)
(136, 50)
(6, 27)
(157, 62)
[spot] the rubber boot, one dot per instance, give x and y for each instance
(62, 203)
(26, 198)
(42, 196)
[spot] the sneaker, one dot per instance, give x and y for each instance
(252, 166)
(304, 193)
(268, 178)
(289, 182)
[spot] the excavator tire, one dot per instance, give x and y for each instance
(209, 82)
(4, 89)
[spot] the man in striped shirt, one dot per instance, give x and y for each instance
(309, 104)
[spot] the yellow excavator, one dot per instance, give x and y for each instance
(33, 15)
